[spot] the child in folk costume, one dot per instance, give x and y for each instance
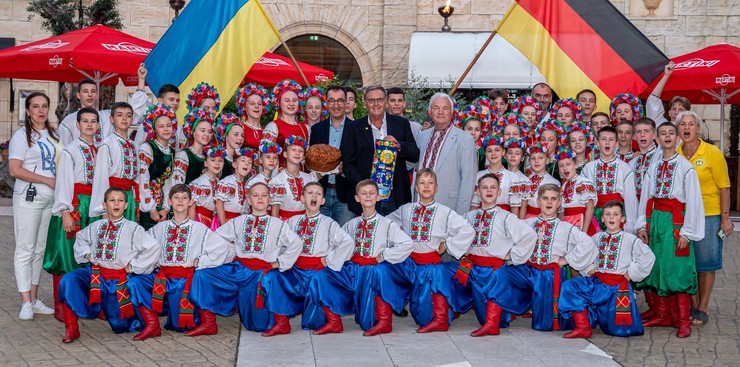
(551, 135)
(519, 187)
(645, 135)
(114, 247)
(252, 102)
(232, 191)
(323, 245)
(230, 134)
(71, 201)
(531, 109)
(626, 107)
(538, 161)
(671, 215)
(182, 242)
(190, 162)
(423, 277)
(269, 153)
(537, 283)
(286, 102)
(379, 243)
(494, 154)
(167, 94)
(512, 126)
(205, 187)
(605, 295)
(475, 120)
(567, 111)
(261, 243)
(581, 141)
(156, 159)
(625, 133)
(116, 165)
(287, 186)
(499, 236)
(614, 180)
(204, 96)
(87, 94)
(579, 194)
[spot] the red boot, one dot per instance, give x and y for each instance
(583, 326)
(72, 330)
(650, 300)
(333, 323)
(384, 314)
(282, 326)
(208, 325)
(673, 308)
(683, 301)
(58, 307)
(151, 324)
(440, 309)
(493, 318)
(662, 313)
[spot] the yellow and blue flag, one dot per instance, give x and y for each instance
(211, 41)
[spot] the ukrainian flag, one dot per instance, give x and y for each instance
(211, 41)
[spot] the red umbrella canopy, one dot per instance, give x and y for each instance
(272, 68)
(711, 69)
(97, 52)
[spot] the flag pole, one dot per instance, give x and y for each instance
(472, 63)
(295, 62)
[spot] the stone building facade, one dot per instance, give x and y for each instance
(378, 32)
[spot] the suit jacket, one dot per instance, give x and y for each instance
(358, 150)
(456, 168)
(320, 135)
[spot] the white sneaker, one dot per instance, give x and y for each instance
(39, 307)
(26, 311)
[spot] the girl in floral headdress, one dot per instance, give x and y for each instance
(494, 146)
(204, 187)
(512, 126)
(206, 97)
(230, 134)
(287, 104)
(190, 162)
(538, 161)
(579, 194)
(530, 108)
(231, 192)
(313, 104)
(475, 121)
(252, 102)
(581, 141)
(156, 162)
(519, 187)
(551, 135)
(566, 111)
(625, 107)
(269, 157)
(484, 103)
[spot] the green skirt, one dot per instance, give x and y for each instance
(59, 256)
(671, 274)
(132, 212)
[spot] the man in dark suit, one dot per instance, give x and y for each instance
(331, 131)
(358, 149)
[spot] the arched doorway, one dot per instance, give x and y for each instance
(324, 52)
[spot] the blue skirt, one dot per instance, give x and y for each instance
(74, 291)
(600, 299)
(518, 288)
(292, 287)
(224, 288)
(140, 287)
(475, 294)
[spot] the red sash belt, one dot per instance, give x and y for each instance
(309, 263)
(506, 207)
(487, 261)
(79, 189)
(206, 212)
(578, 210)
(462, 274)
(623, 303)
(160, 287)
(555, 267)
(257, 264)
(287, 214)
(230, 215)
(601, 200)
(426, 258)
(364, 261)
(532, 210)
(122, 296)
(125, 184)
(673, 206)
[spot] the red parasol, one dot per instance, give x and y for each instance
(271, 69)
(97, 52)
(706, 76)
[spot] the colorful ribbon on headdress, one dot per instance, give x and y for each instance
(473, 112)
(286, 85)
(192, 119)
(511, 118)
(630, 99)
(243, 94)
(201, 92)
(224, 123)
(554, 126)
(571, 103)
(524, 101)
(153, 113)
(296, 140)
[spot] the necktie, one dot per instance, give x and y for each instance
(430, 156)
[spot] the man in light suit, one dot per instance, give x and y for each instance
(451, 153)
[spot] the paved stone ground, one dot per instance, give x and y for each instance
(39, 342)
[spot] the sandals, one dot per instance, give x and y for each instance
(700, 319)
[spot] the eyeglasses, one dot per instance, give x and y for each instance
(335, 101)
(375, 101)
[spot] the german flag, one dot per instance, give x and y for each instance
(583, 44)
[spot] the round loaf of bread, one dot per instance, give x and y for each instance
(323, 158)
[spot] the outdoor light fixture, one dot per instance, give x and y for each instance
(177, 5)
(446, 11)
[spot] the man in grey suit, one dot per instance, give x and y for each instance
(451, 153)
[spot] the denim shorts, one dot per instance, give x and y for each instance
(708, 252)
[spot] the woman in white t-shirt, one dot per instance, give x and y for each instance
(34, 154)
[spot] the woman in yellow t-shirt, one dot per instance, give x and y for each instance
(714, 180)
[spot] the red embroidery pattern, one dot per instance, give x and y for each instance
(606, 177)
(482, 225)
(609, 246)
(255, 232)
(542, 250)
(421, 222)
(364, 235)
(107, 246)
(176, 248)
